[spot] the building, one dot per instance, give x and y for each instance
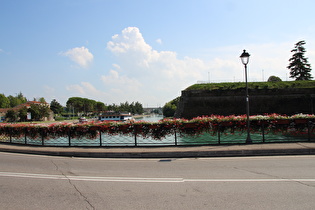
(3, 111)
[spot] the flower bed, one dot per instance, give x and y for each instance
(273, 123)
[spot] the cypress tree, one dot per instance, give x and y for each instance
(299, 67)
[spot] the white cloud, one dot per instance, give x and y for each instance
(147, 75)
(141, 73)
(116, 66)
(87, 90)
(159, 41)
(79, 55)
(76, 89)
(114, 80)
(130, 40)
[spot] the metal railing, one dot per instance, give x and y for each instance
(298, 132)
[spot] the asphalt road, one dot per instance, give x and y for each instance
(43, 182)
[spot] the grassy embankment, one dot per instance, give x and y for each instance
(253, 85)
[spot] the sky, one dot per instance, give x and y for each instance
(145, 51)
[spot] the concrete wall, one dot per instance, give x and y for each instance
(226, 102)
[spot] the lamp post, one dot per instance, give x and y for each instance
(245, 58)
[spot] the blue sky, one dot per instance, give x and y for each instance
(143, 50)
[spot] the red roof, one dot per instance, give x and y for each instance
(20, 106)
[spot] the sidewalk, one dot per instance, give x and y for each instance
(299, 148)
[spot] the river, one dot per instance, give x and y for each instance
(150, 118)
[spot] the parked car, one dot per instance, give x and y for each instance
(82, 120)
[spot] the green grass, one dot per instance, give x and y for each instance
(253, 85)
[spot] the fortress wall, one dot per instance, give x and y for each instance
(195, 103)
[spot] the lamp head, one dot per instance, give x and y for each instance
(245, 57)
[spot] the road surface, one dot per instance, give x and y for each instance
(43, 182)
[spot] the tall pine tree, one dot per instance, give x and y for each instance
(299, 67)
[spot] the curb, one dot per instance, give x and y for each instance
(157, 154)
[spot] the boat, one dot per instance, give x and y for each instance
(115, 116)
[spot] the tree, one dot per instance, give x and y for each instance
(138, 108)
(299, 67)
(81, 105)
(56, 107)
(23, 114)
(113, 107)
(75, 104)
(4, 101)
(42, 100)
(38, 111)
(11, 116)
(21, 98)
(100, 106)
(88, 105)
(170, 107)
(274, 79)
(14, 101)
(34, 110)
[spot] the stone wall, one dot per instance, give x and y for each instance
(291, 101)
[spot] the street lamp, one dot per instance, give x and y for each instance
(245, 59)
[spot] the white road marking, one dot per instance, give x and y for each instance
(140, 179)
(89, 178)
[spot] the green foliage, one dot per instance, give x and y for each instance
(100, 106)
(87, 105)
(22, 114)
(11, 116)
(170, 107)
(169, 110)
(299, 67)
(81, 104)
(21, 98)
(254, 85)
(11, 101)
(42, 100)
(274, 79)
(4, 101)
(14, 101)
(134, 107)
(56, 107)
(38, 111)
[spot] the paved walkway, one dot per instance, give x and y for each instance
(300, 148)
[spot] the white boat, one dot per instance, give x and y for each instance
(115, 116)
